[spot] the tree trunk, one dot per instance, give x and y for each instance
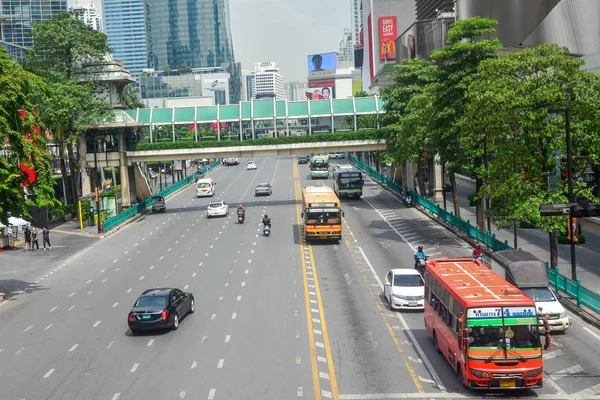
(75, 178)
(455, 199)
(479, 206)
(421, 176)
(553, 250)
(515, 235)
(63, 168)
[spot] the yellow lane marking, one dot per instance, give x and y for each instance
(311, 337)
(334, 388)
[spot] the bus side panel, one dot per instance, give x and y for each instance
(446, 337)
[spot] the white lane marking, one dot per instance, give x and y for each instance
(186, 287)
(129, 290)
(72, 294)
(206, 255)
(182, 395)
(89, 281)
(416, 344)
(227, 338)
(587, 393)
(220, 363)
(194, 275)
(591, 332)
(211, 394)
(88, 293)
(552, 354)
(116, 304)
(243, 283)
(239, 298)
(298, 360)
(142, 277)
(246, 271)
(49, 373)
(226, 283)
(152, 267)
(70, 308)
(129, 259)
(234, 315)
(251, 251)
(48, 327)
(212, 245)
(203, 339)
(220, 298)
(575, 369)
(117, 269)
(104, 270)
(194, 365)
(150, 342)
(116, 396)
(161, 257)
(213, 317)
(135, 367)
(97, 323)
(126, 251)
(53, 308)
(300, 391)
(28, 328)
(114, 261)
(73, 347)
(103, 280)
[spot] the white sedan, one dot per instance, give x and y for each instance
(404, 289)
(251, 165)
(217, 209)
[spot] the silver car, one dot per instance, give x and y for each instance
(263, 189)
(217, 209)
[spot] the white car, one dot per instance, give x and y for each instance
(546, 301)
(404, 289)
(217, 209)
(250, 165)
(332, 156)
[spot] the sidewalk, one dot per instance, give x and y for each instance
(536, 242)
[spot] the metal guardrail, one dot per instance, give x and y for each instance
(560, 282)
(123, 216)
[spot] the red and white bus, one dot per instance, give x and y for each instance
(486, 328)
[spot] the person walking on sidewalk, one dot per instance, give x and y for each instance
(27, 238)
(34, 239)
(46, 237)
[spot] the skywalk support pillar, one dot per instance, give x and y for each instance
(86, 187)
(124, 170)
(438, 183)
(409, 176)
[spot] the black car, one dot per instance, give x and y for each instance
(160, 308)
(302, 160)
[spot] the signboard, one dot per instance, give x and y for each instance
(214, 84)
(322, 205)
(320, 90)
(387, 37)
(501, 312)
(177, 165)
(322, 64)
(264, 65)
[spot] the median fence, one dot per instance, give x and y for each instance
(560, 282)
(123, 216)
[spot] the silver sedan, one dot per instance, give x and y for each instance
(217, 209)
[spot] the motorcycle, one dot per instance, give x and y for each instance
(479, 258)
(241, 217)
(406, 200)
(267, 230)
(420, 264)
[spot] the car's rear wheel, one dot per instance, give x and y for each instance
(175, 322)
(192, 306)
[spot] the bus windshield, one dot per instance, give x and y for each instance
(350, 182)
(322, 217)
(509, 336)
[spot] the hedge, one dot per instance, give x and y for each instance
(321, 137)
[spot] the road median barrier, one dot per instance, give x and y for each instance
(578, 299)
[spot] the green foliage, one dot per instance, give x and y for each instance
(115, 190)
(514, 99)
(327, 137)
(17, 86)
(130, 99)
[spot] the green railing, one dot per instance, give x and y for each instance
(135, 209)
(560, 282)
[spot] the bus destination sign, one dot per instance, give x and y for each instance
(322, 205)
(499, 312)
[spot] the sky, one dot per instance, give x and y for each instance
(286, 31)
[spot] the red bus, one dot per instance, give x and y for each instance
(485, 327)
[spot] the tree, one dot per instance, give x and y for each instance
(130, 99)
(514, 97)
(60, 47)
(457, 67)
(19, 145)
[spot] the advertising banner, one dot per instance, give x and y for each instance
(321, 90)
(177, 165)
(213, 85)
(387, 37)
(322, 64)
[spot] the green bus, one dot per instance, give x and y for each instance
(347, 181)
(319, 167)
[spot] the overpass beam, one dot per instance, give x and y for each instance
(124, 170)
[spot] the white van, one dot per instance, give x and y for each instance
(205, 187)
(528, 273)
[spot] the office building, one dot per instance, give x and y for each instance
(17, 18)
(183, 33)
(346, 51)
(268, 82)
(428, 9)
(296, 91)
(125, 27)
(87, 13)
(249, 84)
(357, 20)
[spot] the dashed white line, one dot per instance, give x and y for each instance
(53, 308)
(211, 394)
(239, 298)
(150, 343)
(49, 373)
(48, 327)
(186, 287)
(116, 396)
(234, 315)
(214, 316)
(243, 283)
(182, 395)
(194, 365)
(70, 308)
(72, 294)
(104, 280)
(88, 293)
(73, 347)
(129, 290)
(104, 270)
(89, 281)
(135, 367)
(28, 328)
(194, 275)
(97, 323)
(220, 363)
(300, 391)
(142, 277)
(227, 338)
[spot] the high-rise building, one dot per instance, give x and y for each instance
(268, 82)
(346, 51)
(296, 91)
(249, 84)
(428, 9)
(195, 33)
(357, 20)
(87, 13)
(17, 18)
(125, 27)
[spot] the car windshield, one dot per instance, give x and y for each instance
(251, 163)
(215, 205)
(511, 336)
(204, 185)
(540, 294)
(262, 186)
(151, 301)
(408, 280)
(322, 217)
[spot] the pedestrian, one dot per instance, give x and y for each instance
(46, 237)
(34, 239)
(27, 238)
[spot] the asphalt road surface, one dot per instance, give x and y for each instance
(275, 318)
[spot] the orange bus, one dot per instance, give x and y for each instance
(486, 328)
(321, 213)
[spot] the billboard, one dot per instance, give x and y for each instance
(322, 90)
(387, 38)
(213, 85)
(322, 64)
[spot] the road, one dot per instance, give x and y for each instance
(275, 318)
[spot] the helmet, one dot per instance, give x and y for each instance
(266, 216)
(420, 248)
(478, 245)
(240, 206)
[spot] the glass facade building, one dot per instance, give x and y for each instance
(193, 33)
(17, 18)
(125, 27)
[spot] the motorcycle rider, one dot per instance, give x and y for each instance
(477, 251)
(420, 255)
(240, 210)
(266, 220)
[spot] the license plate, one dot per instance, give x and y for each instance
(323, 237)
(507, 383)
(412, 303)
(146, 316)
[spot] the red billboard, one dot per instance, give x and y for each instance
(388, 31)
